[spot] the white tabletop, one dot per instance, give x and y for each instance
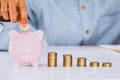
(9, 72)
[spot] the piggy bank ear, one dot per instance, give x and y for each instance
(12, 34)
(38, 34)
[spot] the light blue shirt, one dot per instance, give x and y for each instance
(73, 22)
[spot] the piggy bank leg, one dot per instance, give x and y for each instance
(35, 64)
(17, 63)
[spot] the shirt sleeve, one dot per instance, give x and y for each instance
(5, 28)
(35, 15)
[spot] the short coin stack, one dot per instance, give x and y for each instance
(67, 60)
(81, 62)
(94, 64)
(106, 64)
(52, 59)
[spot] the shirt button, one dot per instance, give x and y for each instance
(83, 7)
(87, 31)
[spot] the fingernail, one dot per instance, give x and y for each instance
(24, 25)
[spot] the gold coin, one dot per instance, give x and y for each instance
(94, 64)
(106, 64)
(52, 55)
(25, 27)
(67, 63)
(52, 63)
(67, 56)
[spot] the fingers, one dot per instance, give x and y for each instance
(17, 11)
(13, 11)
(23, 13)
(0, 9)
(4, 10)
(0, 13)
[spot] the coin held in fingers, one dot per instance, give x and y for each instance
(24, 27)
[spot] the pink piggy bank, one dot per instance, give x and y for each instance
(26, 47)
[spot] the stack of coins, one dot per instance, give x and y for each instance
(24, 27)
(52, 59)
(94, 64)
(67, 60)
(106, 64)
(81, 62)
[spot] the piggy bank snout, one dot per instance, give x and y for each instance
(26, 49)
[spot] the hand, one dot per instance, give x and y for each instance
(15, 10)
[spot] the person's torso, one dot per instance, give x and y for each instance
(78, 22)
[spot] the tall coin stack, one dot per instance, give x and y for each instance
(67, 60)
(52, 59)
